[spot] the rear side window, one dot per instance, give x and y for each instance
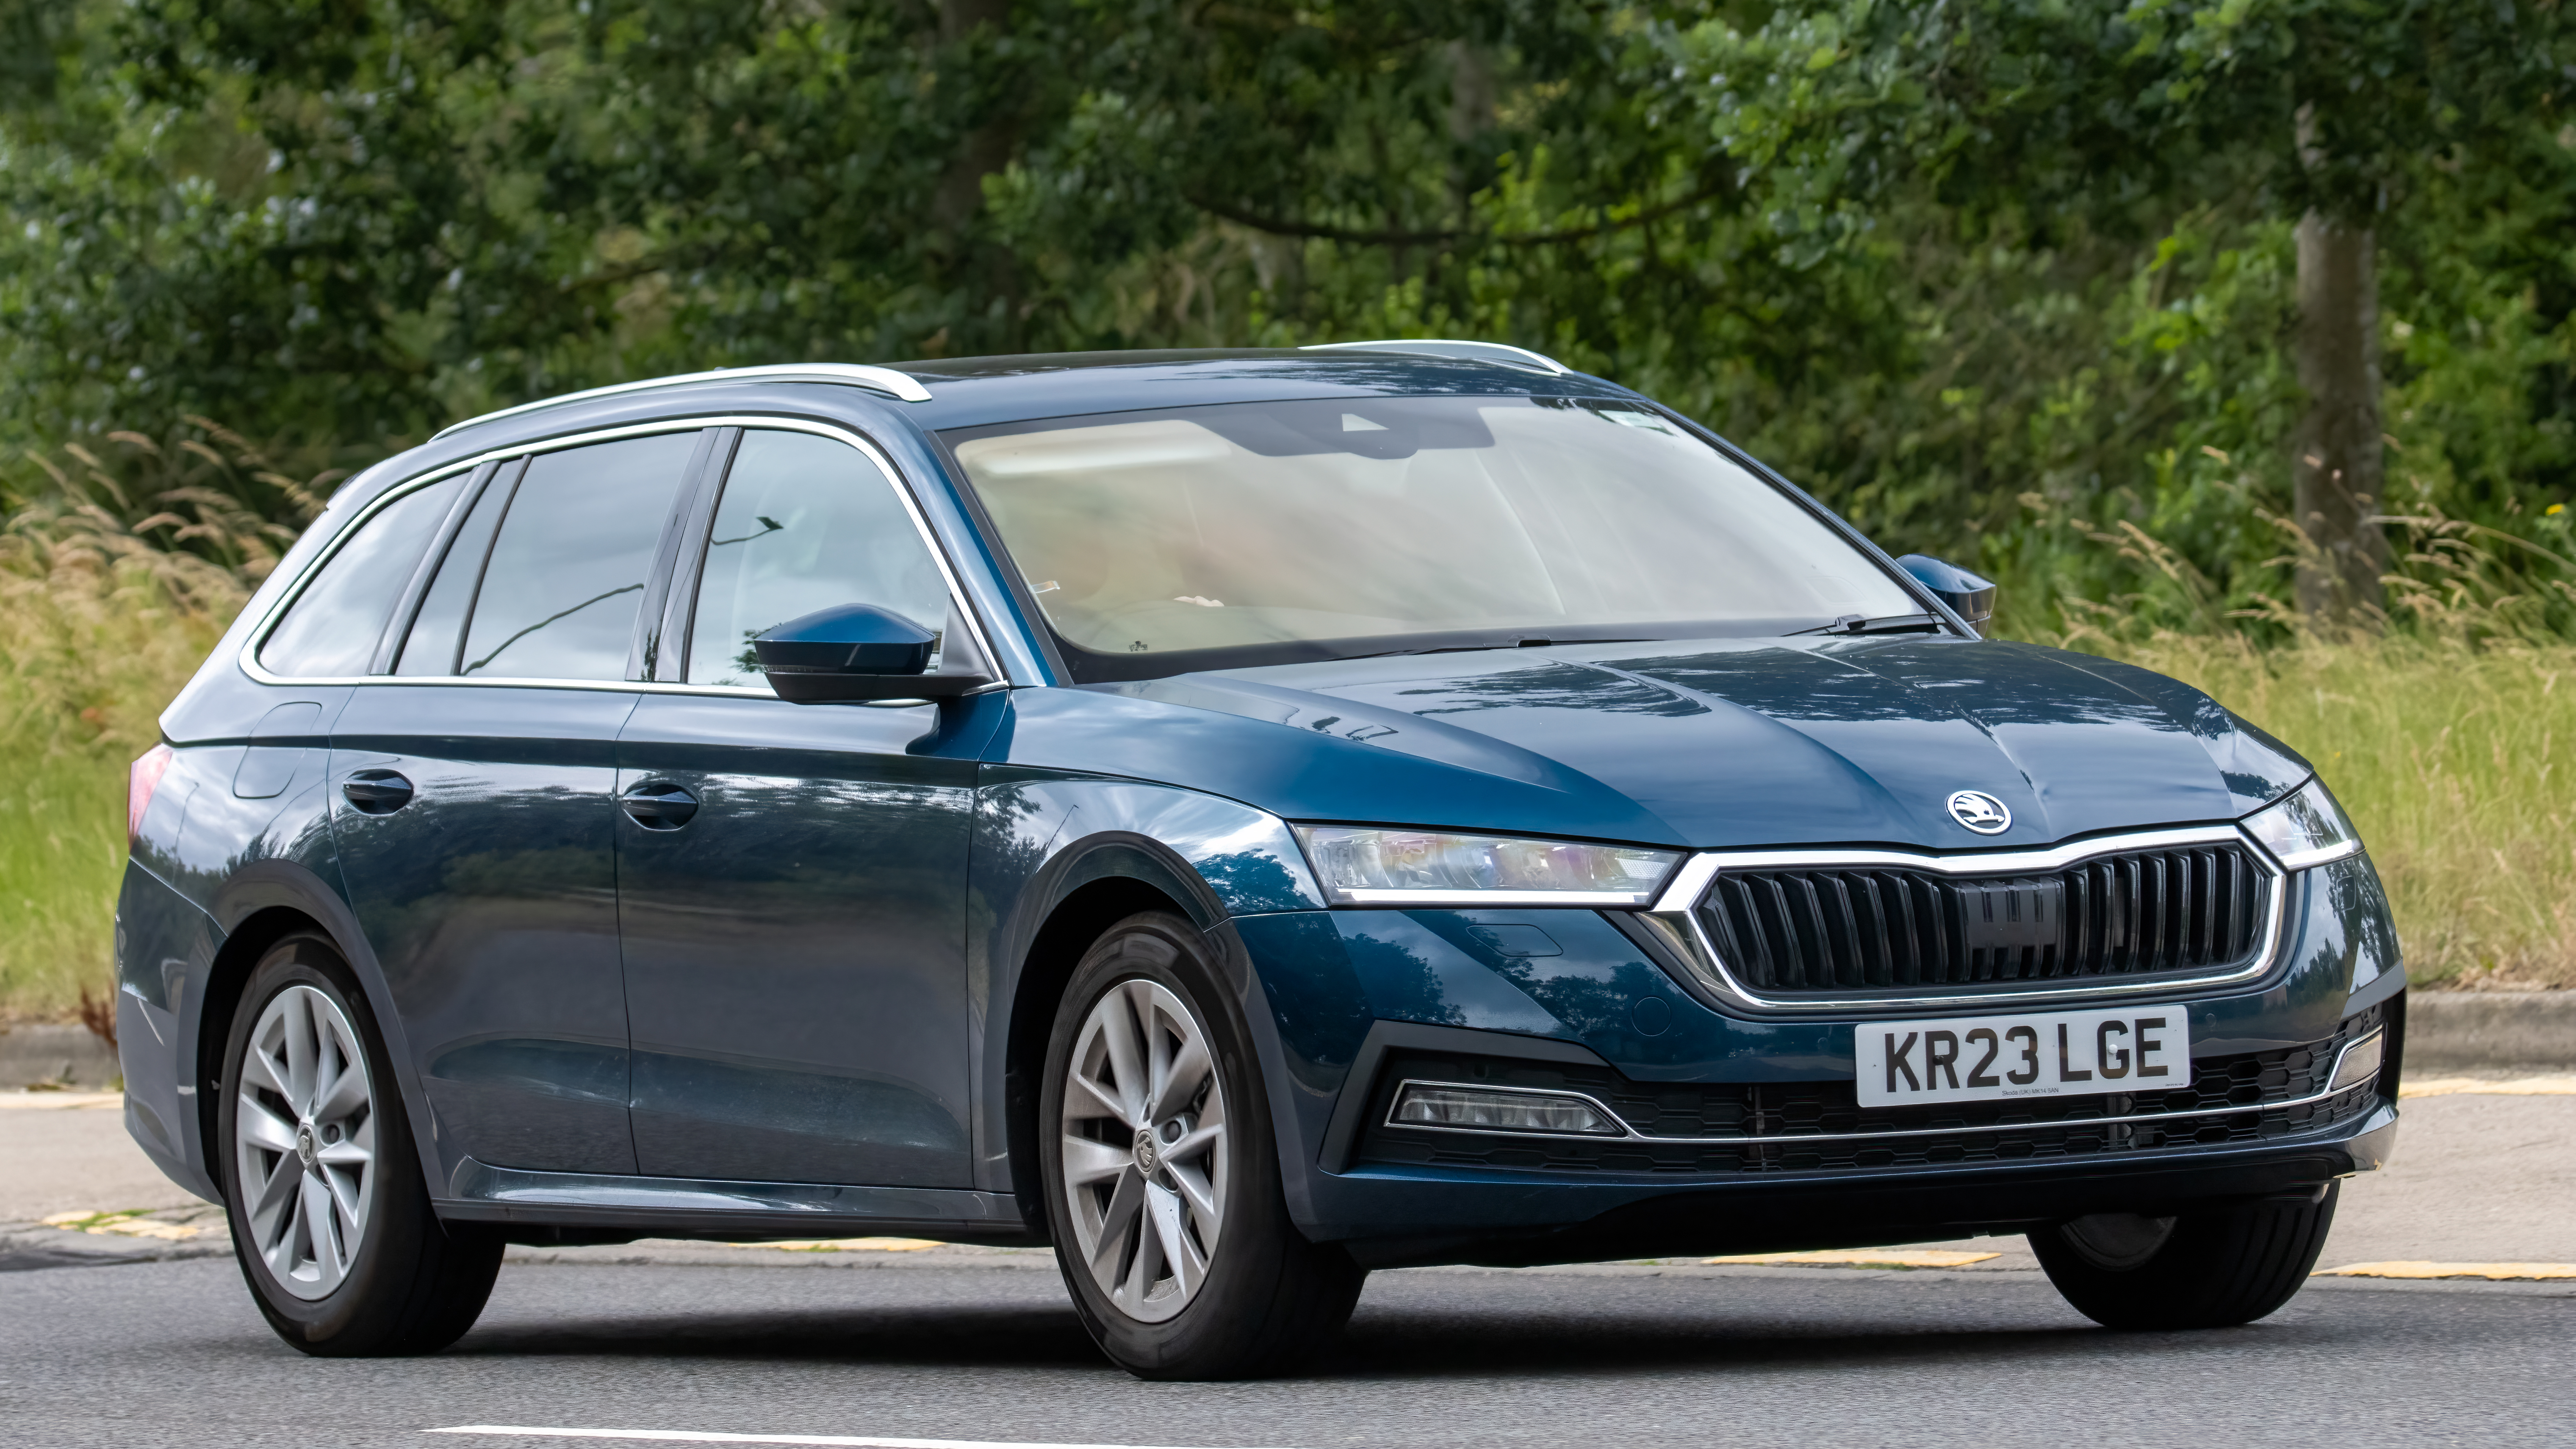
(567, 573)
(331, 629)
(438, 628)
(805, 523)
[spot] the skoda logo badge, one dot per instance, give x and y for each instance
(1980, 812)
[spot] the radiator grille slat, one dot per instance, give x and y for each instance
(1822, 930)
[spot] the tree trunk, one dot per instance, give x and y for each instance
(2335, 467)
(960, 260)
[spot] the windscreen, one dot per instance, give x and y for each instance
(1209, 537)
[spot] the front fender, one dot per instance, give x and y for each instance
(1044, 838)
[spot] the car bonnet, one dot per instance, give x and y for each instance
(1741, 743)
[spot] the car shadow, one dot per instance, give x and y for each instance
(1386, 1343)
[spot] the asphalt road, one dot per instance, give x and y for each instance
(979, 1346)
(917, 1346)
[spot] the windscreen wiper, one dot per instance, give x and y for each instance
(1889, 624)
(1532, 642)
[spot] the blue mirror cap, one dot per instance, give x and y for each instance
(846, 639)
(1970, 597)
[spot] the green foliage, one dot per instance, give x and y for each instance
(2009, 281)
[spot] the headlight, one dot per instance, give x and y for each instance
(2305, 828)
(1366, 867)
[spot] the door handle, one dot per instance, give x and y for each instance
(377, 792)
(658, 805)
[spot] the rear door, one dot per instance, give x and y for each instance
(477, 818)
(792, 877)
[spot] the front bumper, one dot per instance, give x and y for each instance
(1798, 1165)
(1352, 992)
(1421, 1217)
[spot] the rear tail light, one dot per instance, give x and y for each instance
(141, 779)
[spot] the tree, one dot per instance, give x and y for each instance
(2112, 112)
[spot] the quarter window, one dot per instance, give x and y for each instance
(805, 523)
(567, 573)
(332, 628)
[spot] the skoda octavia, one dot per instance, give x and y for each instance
(1243, 819)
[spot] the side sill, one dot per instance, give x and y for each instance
(682, 1207)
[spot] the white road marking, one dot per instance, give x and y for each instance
(688, 1436)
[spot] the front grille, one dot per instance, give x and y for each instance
(2232, 1098)
(1818, 930)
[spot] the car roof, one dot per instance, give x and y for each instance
(937, 394)
(969, 391)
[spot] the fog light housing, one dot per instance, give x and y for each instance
(1501, 1109)
(2360, 1062)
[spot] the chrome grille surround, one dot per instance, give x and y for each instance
(1676, 918)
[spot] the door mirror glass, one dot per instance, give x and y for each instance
(1970, 597)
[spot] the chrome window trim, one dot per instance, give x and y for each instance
(1677, 909)
(886, 380)
(268, 622)
(1782, 1139)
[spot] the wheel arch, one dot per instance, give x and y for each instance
(1096, 884)
(261, 905)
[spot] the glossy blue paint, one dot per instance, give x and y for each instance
(491, 902)
(1713, 744)
(825, 866)
(821, 988)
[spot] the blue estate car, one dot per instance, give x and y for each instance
(1241, 818)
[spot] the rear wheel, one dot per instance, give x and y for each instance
(2201, 1270)
(330, 1214)
(1161, 1173)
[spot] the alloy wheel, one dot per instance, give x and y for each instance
(1144, 1143)
(305, 1141)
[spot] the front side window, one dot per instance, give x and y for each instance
(559, 595)
(1256, 533)
(331, 629)
(805, 523)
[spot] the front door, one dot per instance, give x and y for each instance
(791, 878)
(477, 824)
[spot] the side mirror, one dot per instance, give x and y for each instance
(1969, 597)
(856, 652)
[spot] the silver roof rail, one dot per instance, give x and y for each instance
(877, 379)
(1503, 353)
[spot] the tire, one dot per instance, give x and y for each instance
(1201, 1274)
(331, 1219)
(2205, 1270)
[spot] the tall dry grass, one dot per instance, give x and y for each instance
(116, 577)
(2447, 727)
(2445, 730)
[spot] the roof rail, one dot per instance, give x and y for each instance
(1500, 352)
(879, 379)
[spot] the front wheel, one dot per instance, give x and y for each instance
(1161, 1172)
(2203, 1270)
(330, 1214)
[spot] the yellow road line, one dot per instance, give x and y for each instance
(1863, 1258)
(130, 1223)
(2498, 1271)
(2471, 1086)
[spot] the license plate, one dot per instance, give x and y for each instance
(2045, 1054)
